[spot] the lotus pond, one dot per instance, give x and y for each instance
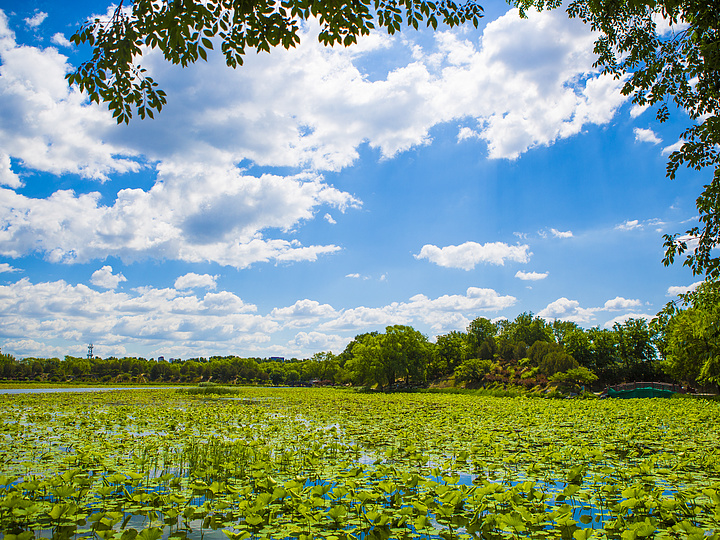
(321, 463)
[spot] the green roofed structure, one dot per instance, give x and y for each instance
(644, 390)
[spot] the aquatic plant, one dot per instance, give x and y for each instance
(334, 464)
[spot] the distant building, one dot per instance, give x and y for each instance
(277, 358)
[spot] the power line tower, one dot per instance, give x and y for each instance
(90, 353)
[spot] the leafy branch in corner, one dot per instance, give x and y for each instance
(185, 30)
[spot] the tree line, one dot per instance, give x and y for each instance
(681, 345)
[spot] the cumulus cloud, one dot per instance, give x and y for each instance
(106, 279)
(193, 213)
(620, 319)
(303, 313)
(47, 125)
(665, 26)
(5, 267)
(568, 310)
(8, 177)
(329, 219)
(672, 148)
(682, 289)
(36, 20)
(148, 318)
(619, 303)
(467, 133)
(179, 322)
(37, 349)
(531, 276)
(60, 39)
(447, 312)
(192, 280)
(628, 225)
(637, 110)
(468, 255)
(312, 342)
(571, 310)
(632, 224)
(561, 234)
(646, 135)
(520, 89)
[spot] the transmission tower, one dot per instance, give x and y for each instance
(90, 348)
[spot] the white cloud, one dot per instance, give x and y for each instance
(60, 39)
(192, 280)
(180, 323)
(561, 234)
(147, 318)
(106, 279)
(467, 133)
(36, 349)
(531, 276)
(353, 276)
(312, 342)
(682, 289)
(469, 254)
(445, 313)
(620, 319)
(520, 88)
(329, 219)
(629, 225)
(36, 20)
(7, 176)
(568, 310)
(637, 110)
(303, 313)
(619, 303)
(632, 224)
(673, 148)
(5, 267)
(664, 26)
(193, 213)
(646, 135)
(45, 124)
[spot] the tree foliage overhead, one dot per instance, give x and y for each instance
(184, 31)
(679, 68)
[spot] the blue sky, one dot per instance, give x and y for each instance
(281, 208)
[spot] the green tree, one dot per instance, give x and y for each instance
(574, 378)
(473, 370)
(185, 30)
(324, 366)
(450, 351)
(365, 364)
(400, 353)
(526, 328)
(692, 336)
(479, 331)
(550, 357)
(634, 345)
(577, 344)
(680, 68)
(7, 365)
